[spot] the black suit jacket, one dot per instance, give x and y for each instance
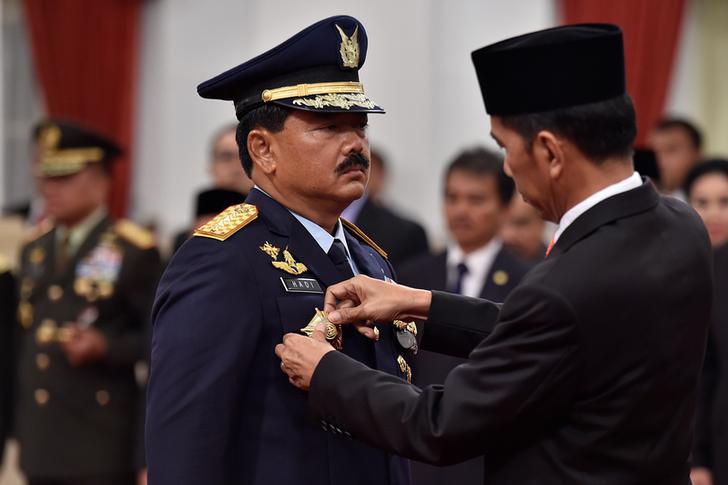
(220, 411)
(711, 435)
(430, 272)
(7, 350)
(401, 238)
(589, 375)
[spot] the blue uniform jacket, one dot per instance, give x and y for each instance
(220, 411)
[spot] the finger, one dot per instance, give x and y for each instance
(283, 368)
(335, 293)
(372, 333)
(319, 333)
(280, 348)
(347, 315)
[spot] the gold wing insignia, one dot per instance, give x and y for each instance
(290, 265)
(228, 222)
(349, 48)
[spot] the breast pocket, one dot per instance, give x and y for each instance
(297, 310)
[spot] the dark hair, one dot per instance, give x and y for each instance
(715, 166)
(480, 161)
(601, 130)
(218, 134)
(696, 137)
(270, 117)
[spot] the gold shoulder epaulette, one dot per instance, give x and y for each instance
(228, 222)
(39, 230)
(360, 234)
(135, 234)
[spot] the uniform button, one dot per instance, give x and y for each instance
(55, 292)
(103, 397)
(41, 397)
(324, 425)
(42, 361)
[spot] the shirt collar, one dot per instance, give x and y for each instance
(78, 233)
(480, 258)
(320, 235)
(631, 182)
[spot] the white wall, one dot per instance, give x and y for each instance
(418, 67)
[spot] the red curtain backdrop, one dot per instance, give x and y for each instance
(651, 34)
(85, 57)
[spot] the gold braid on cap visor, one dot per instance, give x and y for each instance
(302, 90)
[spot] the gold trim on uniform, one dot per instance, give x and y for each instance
(406, 326)
(500, 278)
(360, 234)
(135, 234)
(228, 222)
(270, 250)
(25, 314)
(46, 332)
(404, 368)
(336, 100)
(55, 293)
(41, 397)
(302, 90)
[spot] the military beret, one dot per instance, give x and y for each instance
(66, 147)
(315, 70)
(550, 69)
(213, 201)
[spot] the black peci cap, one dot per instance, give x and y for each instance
(551, 69)
(315, 70)
(214, 201)
(66, 147)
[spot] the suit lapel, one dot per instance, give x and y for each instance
(617, 207)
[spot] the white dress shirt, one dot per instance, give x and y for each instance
(478, 262)
(631, 182)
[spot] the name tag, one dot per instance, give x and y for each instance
(302, 285)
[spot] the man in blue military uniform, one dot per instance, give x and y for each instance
(219, 408)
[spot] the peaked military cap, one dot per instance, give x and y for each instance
(66, 147)
(315, 70)
(550, 69)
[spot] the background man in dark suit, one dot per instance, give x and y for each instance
(220, 411)
(678, 146)
(476, 194)
(523, 231)
(402, 238)
(86, 286)
(7, 348)
(583, 379)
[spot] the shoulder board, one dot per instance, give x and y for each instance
(360, 234)
(39, 230)
(134, 234)
(228, 222)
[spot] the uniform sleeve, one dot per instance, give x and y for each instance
(206, 322)
(128, 341)
(516, 381)
(457, 324)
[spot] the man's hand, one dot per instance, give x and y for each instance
(83, 346)
(301, 355)
(701, 476)
(363, 300)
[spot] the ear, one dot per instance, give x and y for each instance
(261, 147)
(549, 151)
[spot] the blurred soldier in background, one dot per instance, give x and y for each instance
(678, 146)
(85, 290)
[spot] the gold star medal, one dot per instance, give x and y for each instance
(333, 332)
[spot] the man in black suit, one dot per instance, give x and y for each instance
(476, 196)
(7, 327)
(402, 238)
(583, 379)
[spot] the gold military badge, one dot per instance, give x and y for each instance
(289, 264)
(349, 48)
(333, 332)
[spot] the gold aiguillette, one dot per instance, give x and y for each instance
(333, 332)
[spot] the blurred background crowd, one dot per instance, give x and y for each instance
(438, 201)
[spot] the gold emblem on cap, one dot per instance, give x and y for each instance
(349, 48)
(333, 332)
(500, 278)
(49, 137)
(55, 292)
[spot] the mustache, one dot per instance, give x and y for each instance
(352, 161)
